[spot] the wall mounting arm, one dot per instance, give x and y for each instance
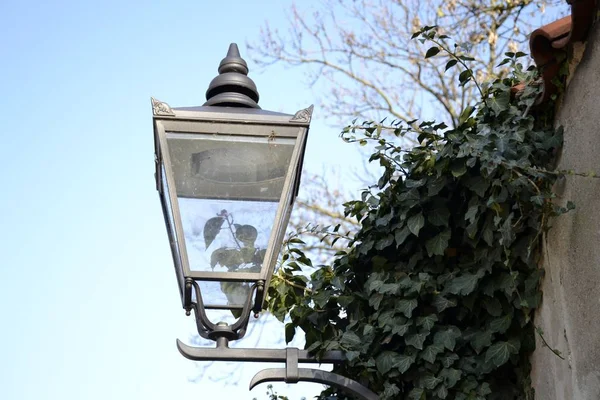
(290, 374)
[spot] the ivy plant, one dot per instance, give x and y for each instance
(434, 296)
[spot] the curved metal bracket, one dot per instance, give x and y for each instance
(290, 374)
(347, 385)
(210, 330)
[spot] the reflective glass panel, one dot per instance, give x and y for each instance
(231, 294)
(228, 190)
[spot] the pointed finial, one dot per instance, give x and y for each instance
(232, 87)
(233, 62)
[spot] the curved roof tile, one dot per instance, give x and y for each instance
(548, 43)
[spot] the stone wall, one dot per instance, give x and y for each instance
(570, 312)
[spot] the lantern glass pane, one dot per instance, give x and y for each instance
(230, 294)
(228, 189)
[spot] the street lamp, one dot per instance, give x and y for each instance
(227, 174)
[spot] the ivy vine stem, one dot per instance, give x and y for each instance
(292, 284)
(541, 335)
(465, 66)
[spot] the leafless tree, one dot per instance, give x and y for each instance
(363, 51)
(362, 56)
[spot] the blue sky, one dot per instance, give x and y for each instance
(88, 298)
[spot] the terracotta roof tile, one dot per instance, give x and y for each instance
(549, 42)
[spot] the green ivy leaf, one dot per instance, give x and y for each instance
(492, 306)
(384, 242)
(499, 102)
(404, 362)
(416, 394)
(389, 359)
(441, 303)
(400, 235)
(439, 216)
(386, 318)
(447, 338)
(415, 223)
(411, 183)
(465, 76)
(464, 284)
(436, 186)
(501, 324)
(438, 244)
(321, 298)
(484, 389)
(466, 114)
(389, 288)
(375, 300)
(471, 214)
(450, 64)
(416, 340)
(427, 322)
(290, 331)
(212, 229)
(400, 328)
(441, 392)
(507, 232)
(449, 359)
(432, 51)
(411, 195)
(451, 376)
(478, 184)
(429, 381)
(500, 352)
(352, 355)
(314, 346)
(431, 352)
(406, 306)
(481, 340)
(350, 339)
(374, 283)
(458, 168)
(383, 221)
(390, 391)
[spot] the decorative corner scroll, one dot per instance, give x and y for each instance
(160, 108)
(303, 115)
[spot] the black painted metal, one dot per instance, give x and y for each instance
(347, 385)
(232, 87)
(290, 374)
(210, 330)
(223, 353)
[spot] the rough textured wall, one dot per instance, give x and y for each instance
(570, 312)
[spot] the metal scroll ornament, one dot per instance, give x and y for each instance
(160, 108)
(303, 115)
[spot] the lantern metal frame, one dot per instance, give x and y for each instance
(232, 109)
(228, 122)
